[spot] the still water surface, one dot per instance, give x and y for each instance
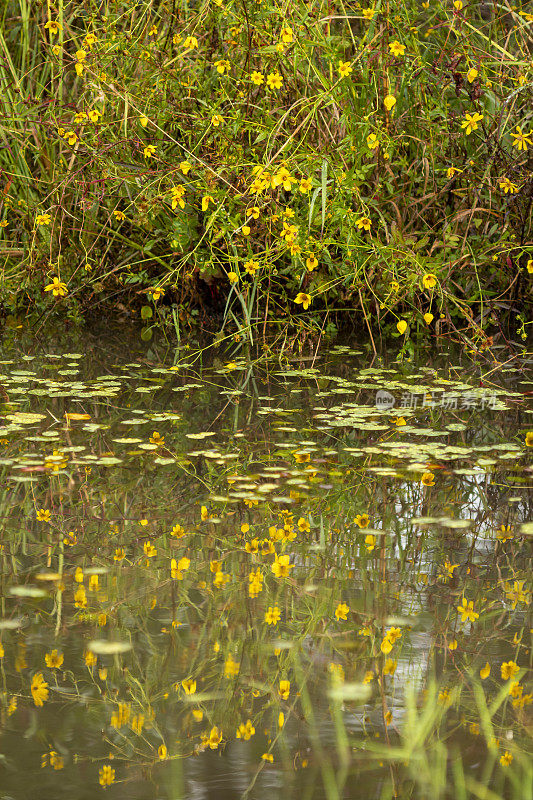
(236, 578)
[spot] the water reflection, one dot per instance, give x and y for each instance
(232, 579)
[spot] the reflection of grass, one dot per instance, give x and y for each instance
(372, 669)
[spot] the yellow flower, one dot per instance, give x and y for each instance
(281, 566)
(89, 40)
(429, 280)
(345, 68)
(185, 167)
(106, 775)
(428, 317)
(205, 202)
(39, 689)
(272, 615)
(470, 122)
(506, 758)
(222, 66)
(189, 686)
(368, 13)
(507, 186)
(190, 42)
(471, 75)
(284, 689)
(214, 738)
(363, 223)
(149, 550)
(306, 184)
(57, 287)
(231, 667)
(303, 299)
(143, 120)
(274, 80)
(389, 102)
(396, 48)
(217, 120)
(268, 757)
(54, 660)
(401, 326)
(149, 151)
(43, 515)
(245, 730)
(390, 667)
(484, 672)
(43, 219)
(362, 520)
(286, 34)
(372, 141)
(428, 479)
(466, 609)
(257, 77)
(251, 266)
(311, 263)
(529, 267)
(370, 542)
(53, 26)
(529, 439)
(341, 612)
(451, 171)
(509, 669)
(233, 277)
(521, 140)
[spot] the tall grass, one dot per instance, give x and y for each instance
(215, 127)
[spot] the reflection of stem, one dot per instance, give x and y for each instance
(59, 594)
(384, 712)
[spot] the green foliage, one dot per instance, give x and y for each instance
(241, 155)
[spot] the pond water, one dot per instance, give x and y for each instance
(265, 577)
